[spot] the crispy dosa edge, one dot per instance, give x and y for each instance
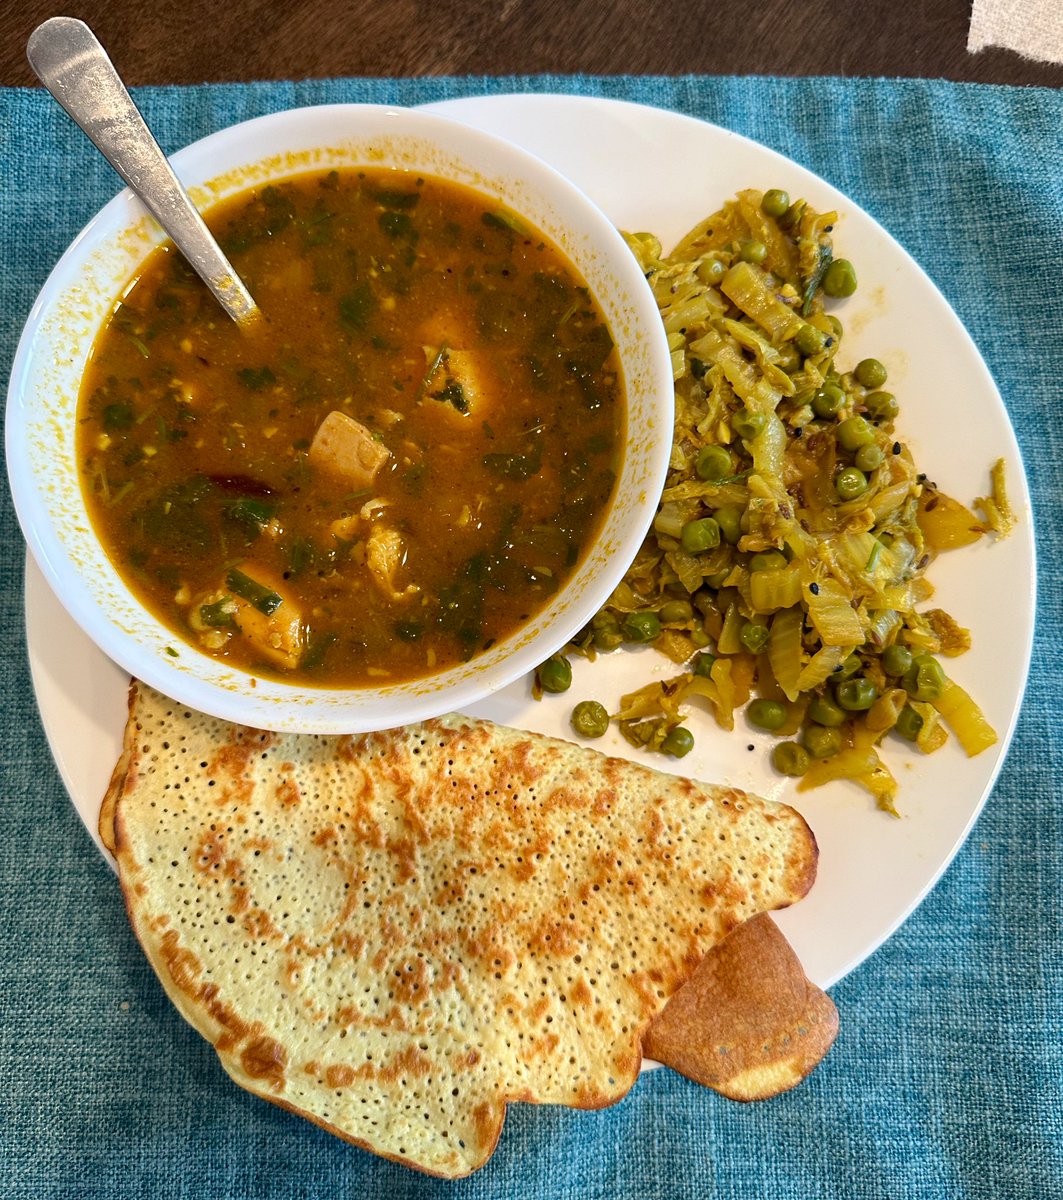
(117, 783)
(654, 1038)
(748, 1023)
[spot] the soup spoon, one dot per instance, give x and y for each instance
(75, 68)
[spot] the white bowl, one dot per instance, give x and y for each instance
(81, 291)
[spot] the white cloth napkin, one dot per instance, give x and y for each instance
(1032, 28)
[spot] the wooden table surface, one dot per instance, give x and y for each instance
(202, 40)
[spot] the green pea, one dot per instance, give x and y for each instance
(822, 742)
(827, 400)
(641, 627)
(909, 723)
(824, 711)
(881, 406)
(589, 719)
(555, 675)
(790, 758)
(711, 271)
(751, 250)
(840, 279)
(700, 535)
(775, 202)
(753, 637)
(768, 560)
(678, 743)
(766, 714)
(608, 637)
(924, 679)
(673, 612)
(713, 462)
(856, 694)
(870, 373)
(702, 665)
(854, 432)
(810, 340)
(896, 659)
(747, 424)
(850, 483)
(869, 458)
(729, 520)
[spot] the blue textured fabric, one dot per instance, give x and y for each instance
(947, 1078)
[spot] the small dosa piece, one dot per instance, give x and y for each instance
(748, 1023)
(396, 934)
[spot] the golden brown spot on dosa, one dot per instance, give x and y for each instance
(182, 965)
(581, 994)
(340, 1076)
(288, 791)
(265, 1059)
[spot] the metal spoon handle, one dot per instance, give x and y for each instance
(74, 67)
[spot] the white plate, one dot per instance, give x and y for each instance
(655, 170)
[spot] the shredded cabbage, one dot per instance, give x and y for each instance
(826, 527)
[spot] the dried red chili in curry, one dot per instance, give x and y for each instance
(399, 467)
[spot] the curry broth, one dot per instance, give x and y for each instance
(396, 468)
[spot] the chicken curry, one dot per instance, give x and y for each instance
(397, 467)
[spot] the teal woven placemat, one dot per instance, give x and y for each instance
(947, 1078)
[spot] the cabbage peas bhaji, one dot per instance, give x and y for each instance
(786, 564)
